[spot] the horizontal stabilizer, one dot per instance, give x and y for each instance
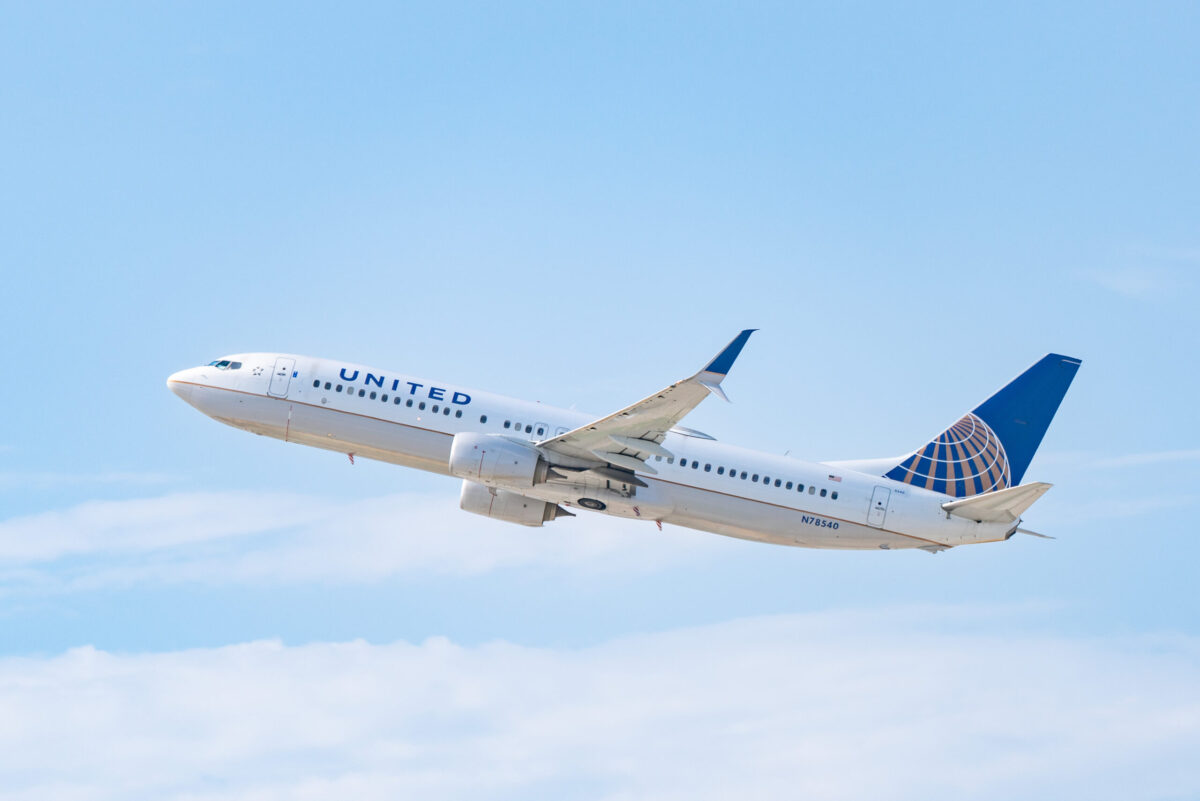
(1001, 506)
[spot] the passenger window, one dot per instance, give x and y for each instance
(743, 475)
(316, 385)
(720, 471)
(695, 464)
(396, 400)
(528, 429)
(822, 493)
(833, 495)
(657, 458)
(811, 490)
(670, 460)
(446, 411)
(372, 394)
(458, 412)
(384, 397)
(707, 468)
(326, 385)
(766, 479)
(755, 477)
(434, 409)
(483, 418)
(339, 387)
(777, 482)
(362, 392)
(421, 405)
(408, 403)
(683, 462)
(507, 424)
(788, 485)
(799, 488)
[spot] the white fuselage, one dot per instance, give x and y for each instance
(708, 485)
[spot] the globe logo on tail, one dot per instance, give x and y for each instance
(966, 459)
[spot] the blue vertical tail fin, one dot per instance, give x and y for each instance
(990, 447)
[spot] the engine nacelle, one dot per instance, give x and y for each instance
(503, 505)
(496, 461)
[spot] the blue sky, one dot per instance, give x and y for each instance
(579, 204)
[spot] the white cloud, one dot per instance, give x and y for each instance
(247, 537)
(1144, 459)
(147, 524)
(1133, 282)
(1093, 460)
(867, 705)
(25, 480)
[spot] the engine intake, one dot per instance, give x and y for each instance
(496, 461)
(509, 506)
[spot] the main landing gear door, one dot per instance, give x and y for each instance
(281, 377)
(879, 505)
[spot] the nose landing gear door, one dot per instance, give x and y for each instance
(281, 377)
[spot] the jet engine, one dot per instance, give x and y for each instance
(496, 461)
(509, 506)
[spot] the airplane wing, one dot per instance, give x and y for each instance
(626, 439)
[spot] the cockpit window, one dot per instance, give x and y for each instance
(225, 364)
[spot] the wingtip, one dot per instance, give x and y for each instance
(724, 360)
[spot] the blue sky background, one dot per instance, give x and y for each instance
(579, 204)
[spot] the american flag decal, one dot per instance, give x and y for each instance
(835, 478)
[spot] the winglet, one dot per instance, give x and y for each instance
(725, 358)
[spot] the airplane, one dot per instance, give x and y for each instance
(530, 463)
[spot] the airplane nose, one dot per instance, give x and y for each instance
(179, 384)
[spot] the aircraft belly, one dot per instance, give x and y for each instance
(371, 437)
(244, 410)
(328, 428)
(747, 519)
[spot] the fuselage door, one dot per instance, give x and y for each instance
(879, 506)
(281, 377)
